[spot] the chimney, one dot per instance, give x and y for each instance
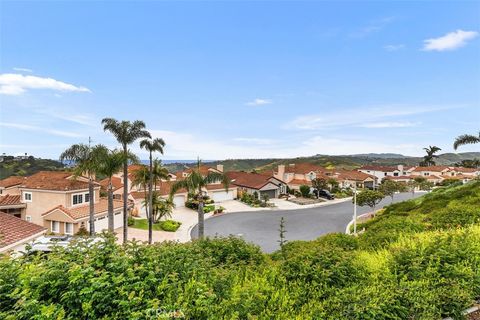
(281, 171)
(400, 168)
(220, 167)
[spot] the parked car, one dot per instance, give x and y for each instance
(325, 194)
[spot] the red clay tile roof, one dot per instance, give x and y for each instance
(163, 188)
(13, 229)
(300, 182)
(249, 180)
(218, 186)
(83, 211)
(116, 183)
(466, 170)
(379, 168)
(304, 167)
(9, 200)
(400, 177)
(11, 181)
(431, 168)
(55, 180)
(353, 175)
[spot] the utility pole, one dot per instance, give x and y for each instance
(355, 209)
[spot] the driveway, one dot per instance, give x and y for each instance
(261, 227)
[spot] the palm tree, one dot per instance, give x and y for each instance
(140, 179)
(151, 145)
(429, 158)
(466, 139)
(159, 173)
(194, 184)
(112, 162)
(126, 133)
(161, 207)
(87, 161)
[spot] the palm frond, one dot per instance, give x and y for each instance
(465, 139)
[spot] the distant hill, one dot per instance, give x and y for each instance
(25, 167)
(342, 161)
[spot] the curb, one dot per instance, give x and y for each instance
(347, 229)
(466, 312)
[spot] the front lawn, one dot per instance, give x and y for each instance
(168, 225)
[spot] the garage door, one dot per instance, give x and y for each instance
(269, 193)
(179, 201)
(101, 223)
(220, 196)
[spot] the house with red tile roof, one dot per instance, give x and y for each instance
(15, 233)
(57, 200)
(381, 172)
(262, 184)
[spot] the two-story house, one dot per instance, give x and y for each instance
(60, 202)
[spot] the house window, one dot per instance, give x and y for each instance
(426, 173)
(27, 196)
(77, 199)
(28, 218)
(87, 197)
(385, 174)
(55, 226)
(68, 228)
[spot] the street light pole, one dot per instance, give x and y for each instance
(355, 210)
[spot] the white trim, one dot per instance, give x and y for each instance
(51, 226)
(23, 241)
(24, 198)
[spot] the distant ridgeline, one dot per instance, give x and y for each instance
(341, 161)
(25, 165)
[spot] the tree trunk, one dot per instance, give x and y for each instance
(201, 220)
(150, 198)
(125, 196)
(110, 206)
(91, 206)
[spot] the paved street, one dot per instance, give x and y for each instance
(261, 227)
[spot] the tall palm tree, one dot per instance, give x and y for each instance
(159, 173)
(87, 161)
(161, 207)
(429, 158)
(194, 185)
(151, 145)
(466, 139)
(112, 162)
(140, 179)
(126, 133)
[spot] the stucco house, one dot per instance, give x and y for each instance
(263, 184)
(57, 201)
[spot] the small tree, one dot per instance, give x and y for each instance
(305, 191)
(319, 184)
(265, 198)
(333, 184)
(389, 187)
(369, 198)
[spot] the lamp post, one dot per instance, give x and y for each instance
(355, 209)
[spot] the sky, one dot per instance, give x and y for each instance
(233, 79)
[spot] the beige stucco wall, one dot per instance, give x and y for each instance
(11, 191)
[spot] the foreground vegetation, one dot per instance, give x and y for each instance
(428, 272)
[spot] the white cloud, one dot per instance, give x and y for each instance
(394, 47)
(359, 117)
(450, 41)
(23, 69)
(15, 84)
(255, 140)
(372, 27)
(259, 102)
(400, 124)
(27, 127)
(189, 146)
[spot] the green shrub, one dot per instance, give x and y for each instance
(170, 225)
(131, 221)
(305, 191)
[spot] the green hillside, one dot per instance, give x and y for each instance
(429, 269)
(25, 167)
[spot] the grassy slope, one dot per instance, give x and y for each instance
(444, 208)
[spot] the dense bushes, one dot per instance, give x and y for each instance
(426, 276)
(170, 225)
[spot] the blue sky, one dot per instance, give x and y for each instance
(241, 79)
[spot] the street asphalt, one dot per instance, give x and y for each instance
(261, 227)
